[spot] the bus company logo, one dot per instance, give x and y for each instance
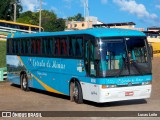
(46, 64)
(6, 114)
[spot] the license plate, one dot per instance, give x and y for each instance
(131, 93)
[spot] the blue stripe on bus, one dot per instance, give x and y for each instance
(97, 32)
(56, 74)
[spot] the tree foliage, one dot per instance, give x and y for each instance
(7, 9)
(50, 22)
(77, 17)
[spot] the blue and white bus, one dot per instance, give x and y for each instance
(99, 64)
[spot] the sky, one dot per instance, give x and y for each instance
(145, 13)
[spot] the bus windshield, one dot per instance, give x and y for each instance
(123, 56)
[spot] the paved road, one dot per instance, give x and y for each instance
(13, 98)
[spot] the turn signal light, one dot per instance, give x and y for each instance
(108, 86)
(104, 86)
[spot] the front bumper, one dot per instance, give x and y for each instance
(124, 93)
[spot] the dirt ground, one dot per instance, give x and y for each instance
(12, 98)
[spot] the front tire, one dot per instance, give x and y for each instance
(76, 92)
(24, 82)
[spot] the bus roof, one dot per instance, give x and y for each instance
(17, 23)
(96, 32)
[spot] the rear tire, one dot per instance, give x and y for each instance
(24, 82)
(71, 91)
(76, 92)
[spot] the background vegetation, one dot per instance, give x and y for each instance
(7, 9)
(2, 54)
(50, 21)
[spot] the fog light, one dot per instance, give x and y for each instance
(108, 86)
(146, 83)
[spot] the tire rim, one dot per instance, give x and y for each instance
(76, 92)
(24, 83)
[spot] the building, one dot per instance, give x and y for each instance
(80, 25)
(124, 25)
(155, 29)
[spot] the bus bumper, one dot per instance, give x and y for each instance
(124, 93)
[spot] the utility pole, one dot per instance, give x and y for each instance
(40, 16)
(86, 12)
(15, 11)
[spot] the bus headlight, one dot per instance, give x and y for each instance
(146, 83)
(108, 86)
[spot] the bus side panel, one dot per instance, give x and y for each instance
(53, 74)
(14, 67)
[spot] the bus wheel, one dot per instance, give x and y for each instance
(71, 91)
(76, 92)
(24, 82)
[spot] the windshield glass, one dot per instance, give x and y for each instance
(123, 56)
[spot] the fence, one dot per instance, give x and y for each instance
(3, 74)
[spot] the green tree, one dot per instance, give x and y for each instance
(50, 22)
(77, 17)
(7, 9)
(57, 25)
(29, 17)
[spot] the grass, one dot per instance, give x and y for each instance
(2, 54)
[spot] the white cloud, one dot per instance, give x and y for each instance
(157, 6)
(31, 5)
(54, 9)
(57, 11)
(134, 8)
(44, 3)
(104, 1)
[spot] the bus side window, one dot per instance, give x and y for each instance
(80, 43)
(33, 47)
(14, 46)
(18, 46)
(64, 47)
(44, 46)
(50, 46)
(22, 46)
(70, 48)
(74, 46)
(57, 47)
(39, 46)
(28, 46)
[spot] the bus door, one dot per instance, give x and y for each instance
(89, 57)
